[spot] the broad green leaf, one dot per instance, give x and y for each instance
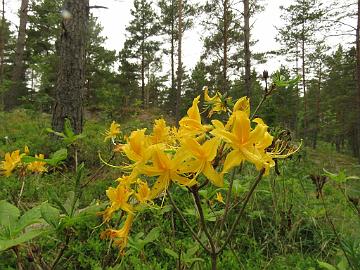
(58, 156)
(171, 253)
(326, 266)
(68, 128)
(50, 214)
(152, 235)
(69, 202)
(8, 243)
(29, 217)
(8, 214)
(191, 251)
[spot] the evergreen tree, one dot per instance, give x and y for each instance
(140, 46)
(18, 87)
(302, 20)
(222, 42)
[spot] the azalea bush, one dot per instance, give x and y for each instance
(201, 157)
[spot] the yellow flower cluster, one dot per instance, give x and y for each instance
(13, 160)
(170, 155)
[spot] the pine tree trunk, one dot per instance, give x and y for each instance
(247, 48)
(17, 89)
(225, 49)
(143, 95)
(70, 86)
(173, 90)
(358, 76)
(179, 71)
(303, 76)
(2, 49)
(317, 127)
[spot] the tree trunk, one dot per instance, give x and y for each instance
(358, 76)
(247, 48)
(2, 49)
(317, 127)
(17, 89)
(71, 75)
(225, 48)
(303, 75)
(173, 90)
(143, 94)
(179, 71)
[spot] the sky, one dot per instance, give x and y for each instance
(115, 19)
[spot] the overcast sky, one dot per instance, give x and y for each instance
(117, 16)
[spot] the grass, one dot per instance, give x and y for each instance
(286, 226)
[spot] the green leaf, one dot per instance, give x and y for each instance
(29, 217)
(68, 128)
(9, 214)
(8, 243)
(58, 156)
(325, 265)
(60, 134)
(171, 253)
(191, 251)
(152, 235)
(50, 214)
(68, 205)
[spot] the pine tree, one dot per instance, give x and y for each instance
(223, 41)
(140, 45)
(18, 88)
(169, 20)
(302, 21)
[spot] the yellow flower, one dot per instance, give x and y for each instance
(37, 166)
(243, 104)
(113, 131)
(219, 197)
(10, 162)
(137, 147)
(190, 125)
(204, 155)
(167, 169)
(160, 132)
(217, 102)
(26, 150)
(143, 193)
(121, 236)
(247, 144)
(118, 197)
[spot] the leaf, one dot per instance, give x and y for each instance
(8, 243)
(325, 265)
(29, 217)
(69, 203)
(50, 214)
(8, 214)
(191, 251)
(57, 157)
(68, 128)
(60, 134)
(171, 253)
(152, 235)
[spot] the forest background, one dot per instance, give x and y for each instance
(169, 50)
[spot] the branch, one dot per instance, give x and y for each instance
(186, 222)
(90, 7)
(242, 210)
(195, 193)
